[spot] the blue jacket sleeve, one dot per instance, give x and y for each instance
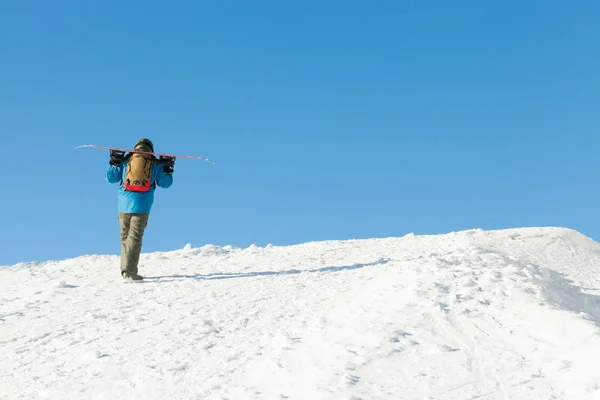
(114, 174)
(163, 180)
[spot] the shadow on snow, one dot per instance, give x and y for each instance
(231, 275)
(563, 293)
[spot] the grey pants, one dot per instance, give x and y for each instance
(132, 232)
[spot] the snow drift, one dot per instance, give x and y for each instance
(512, 314)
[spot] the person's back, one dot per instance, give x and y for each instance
(138, 176)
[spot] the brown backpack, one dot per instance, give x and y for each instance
(138, 176)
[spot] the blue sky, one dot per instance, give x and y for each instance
(326, 119)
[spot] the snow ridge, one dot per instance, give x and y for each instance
(510, 314)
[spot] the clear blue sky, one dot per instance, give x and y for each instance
(327, 119)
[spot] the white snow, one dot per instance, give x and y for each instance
(512, 314)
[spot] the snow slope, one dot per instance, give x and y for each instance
(511, 314)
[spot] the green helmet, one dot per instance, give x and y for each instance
(144, 145)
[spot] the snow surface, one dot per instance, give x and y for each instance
(512, 314)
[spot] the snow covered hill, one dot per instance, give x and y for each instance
(512, 314)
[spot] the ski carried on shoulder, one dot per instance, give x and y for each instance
(143, 152)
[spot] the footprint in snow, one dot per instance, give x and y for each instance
(401, 337)
(444, 307)
(442, 288)
(399, 334)
(349, 379)
(447, 349)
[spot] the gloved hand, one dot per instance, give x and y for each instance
(116, 157)
(168, 163)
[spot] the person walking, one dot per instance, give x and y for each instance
(138, 175)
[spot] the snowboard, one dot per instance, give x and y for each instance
(143, 152)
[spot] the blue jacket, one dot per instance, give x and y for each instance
(137, 202)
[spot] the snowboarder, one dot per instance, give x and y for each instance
(138, 175)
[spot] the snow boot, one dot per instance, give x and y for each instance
(129, 277)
